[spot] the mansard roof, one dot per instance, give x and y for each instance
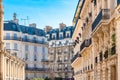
(11, 26)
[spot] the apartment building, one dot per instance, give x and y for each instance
(96, 40)
(29, 44)
(11, 67)
(60, 51)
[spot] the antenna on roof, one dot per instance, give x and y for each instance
(25, 20)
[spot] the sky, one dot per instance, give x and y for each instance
(41, 12)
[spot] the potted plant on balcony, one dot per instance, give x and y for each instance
(113, 49)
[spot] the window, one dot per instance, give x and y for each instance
(25, 38)
(68, 35)
(94, 1)
(35, 58)
(15, 46)
(26, 56)
(61, 36)
(7, 46)
(43, 49)
(43, 40)
(15, 36)
(66, 65)
(66, 58)
(26, 65)
(35, 48)
(34, 39)
(60, 43)
(53, 36)
(35, 66)
(7, 36)
(35, 75)
(26, 47)
(60, 66)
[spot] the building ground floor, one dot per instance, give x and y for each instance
(12, 68)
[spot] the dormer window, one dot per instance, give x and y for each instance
(68, 35)
(53, 37)
(61, 36)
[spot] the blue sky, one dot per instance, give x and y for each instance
(41, 12)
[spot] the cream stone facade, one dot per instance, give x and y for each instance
(11, 67)
(60, 52)
(96, 36)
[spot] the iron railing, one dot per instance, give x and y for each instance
(86, 43)
(104, 14)
(75, 57)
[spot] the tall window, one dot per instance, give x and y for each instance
(43, 49)
(26, 56)
(7, 36)
(34, 39)
(15, 36)
(26, 47)
(35, 57)
(68, 35)
(60, 66)
(35, 66)
(25, 37)
(43, 40)
(7, 46)
(113, 73)
(61, 36)
(66, 65)
(15, 46)
(35, 48)
(54, 37)
(66, 58)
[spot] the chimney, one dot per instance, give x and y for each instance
(48, 28)
(62, 25)
(32, 25)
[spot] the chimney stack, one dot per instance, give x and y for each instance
(62, 25)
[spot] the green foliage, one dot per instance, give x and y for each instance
(38, 79)
(113, 39)
(58, 78)
(47, 78)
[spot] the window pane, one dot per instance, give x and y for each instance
(15, 46)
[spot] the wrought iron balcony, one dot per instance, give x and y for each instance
(59, 52)
(59, 69)
(86, 43)
(104, 14)
(75, 57)
(113, 50)
(36, 69)
(12, 38)
(60, 61)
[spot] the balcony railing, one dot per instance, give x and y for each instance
(24, 40)
(36, 69)
(60, 61)
(75, 57)
(59, 52)
(104, 14)
(86, 43)
(12, 38)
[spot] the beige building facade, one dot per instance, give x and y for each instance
(60, 52)
(96, 36)
(11, 67)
